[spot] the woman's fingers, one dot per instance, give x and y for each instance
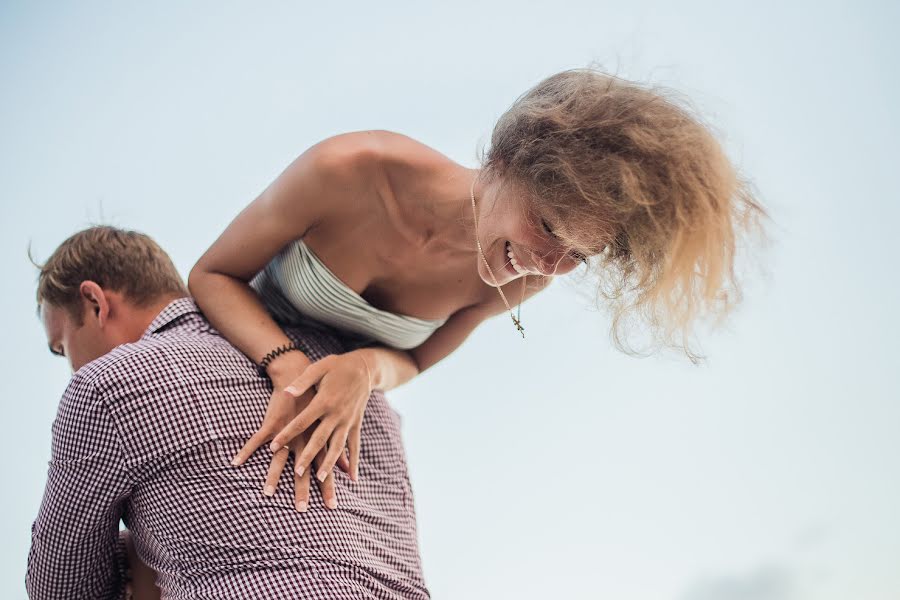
(275, 469)
(344, 462)
(326, 487)
(301, 482)
(309, 377)
(316, 442)
(336, 444)
(301, 492)
(298, 425)
(353, 443)
(256, 440)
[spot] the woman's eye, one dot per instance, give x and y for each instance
(547, 227)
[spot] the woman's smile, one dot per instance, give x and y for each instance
(513, 262)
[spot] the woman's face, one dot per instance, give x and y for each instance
(504, 227)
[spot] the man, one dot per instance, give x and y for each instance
(158, 405)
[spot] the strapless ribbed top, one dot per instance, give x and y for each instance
(297, 287)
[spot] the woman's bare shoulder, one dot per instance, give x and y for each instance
(400, 150)
(366, 152)
(385, 158)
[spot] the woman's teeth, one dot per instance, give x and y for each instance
(512, 258)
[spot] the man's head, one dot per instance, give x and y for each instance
(101, 288)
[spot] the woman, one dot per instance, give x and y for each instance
(407, 251)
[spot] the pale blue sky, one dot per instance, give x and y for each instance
(553, 466)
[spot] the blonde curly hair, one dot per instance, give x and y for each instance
(602, 154)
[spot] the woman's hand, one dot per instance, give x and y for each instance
(282, 408)
(343, 385)
(301, 482)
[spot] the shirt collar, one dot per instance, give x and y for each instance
(174, 310)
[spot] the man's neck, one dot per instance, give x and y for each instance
(139, 318)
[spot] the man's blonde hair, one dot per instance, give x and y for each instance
(121, 260)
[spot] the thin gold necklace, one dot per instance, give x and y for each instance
(516, 321)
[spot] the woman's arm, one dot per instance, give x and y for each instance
(312, 190)
(307, 193)
(390, 367)
(340, 402)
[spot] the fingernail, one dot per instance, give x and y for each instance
(235, 462)
(292, 390)
(269, 490)
(301, 506)
(299, 470)
(274, 446)
(355, 473)
(322, 475)
(331, 503)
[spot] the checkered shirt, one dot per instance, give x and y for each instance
(145, 434)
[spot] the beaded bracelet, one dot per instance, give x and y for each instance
(268, 358)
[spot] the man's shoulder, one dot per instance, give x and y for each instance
(185, 389)
(174, 358)
(94, 374)
(127, 357)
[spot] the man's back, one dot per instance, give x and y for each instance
(160, 420)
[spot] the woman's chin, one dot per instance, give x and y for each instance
(503, 277)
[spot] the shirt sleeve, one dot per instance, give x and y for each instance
(75, 547)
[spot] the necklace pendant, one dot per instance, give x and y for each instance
(519, 326)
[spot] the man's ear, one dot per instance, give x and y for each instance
(96, 301)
